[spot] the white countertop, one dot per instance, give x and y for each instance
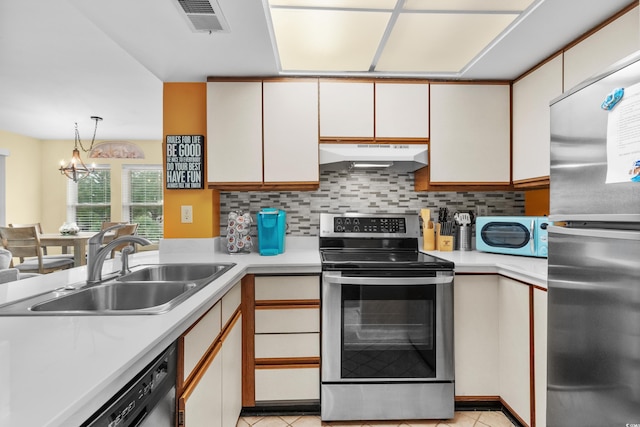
(58, 370)
(531, 270)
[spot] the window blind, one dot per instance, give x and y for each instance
(89, 200)
(142, 199)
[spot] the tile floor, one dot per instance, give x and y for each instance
(461, 419)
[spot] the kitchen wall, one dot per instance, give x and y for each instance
(363, 191)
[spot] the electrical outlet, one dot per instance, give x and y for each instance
(186, 214)
(482, 210)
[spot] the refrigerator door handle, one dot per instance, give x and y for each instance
(593, 232)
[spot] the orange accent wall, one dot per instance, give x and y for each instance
(536, 202)
(185, 113)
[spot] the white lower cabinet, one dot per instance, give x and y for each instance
(540, 355)
(201, 404)
(476, 336)
(231, 384)
(495, 354)
(198, 340)
(287, 338)
(210, 393)
(515, 352)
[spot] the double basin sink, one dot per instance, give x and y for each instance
(149, 289)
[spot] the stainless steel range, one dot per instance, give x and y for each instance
(387, 321)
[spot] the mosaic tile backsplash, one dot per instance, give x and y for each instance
(366, 192)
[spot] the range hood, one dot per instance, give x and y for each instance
(396, 157)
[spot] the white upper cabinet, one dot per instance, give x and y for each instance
(531, 120)
(402, 110)
(234, 132)
(262, 133)
(346, 109)
(291, 131)
(470, 133)
(601, 49)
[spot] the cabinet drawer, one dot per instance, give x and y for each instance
(287, 287)
(287, 320)
(287, 384)
(287, 345)
(230, 303)
(199, 338)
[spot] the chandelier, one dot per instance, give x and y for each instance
(76, 169)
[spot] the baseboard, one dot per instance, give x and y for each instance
(284, 408)
(312, 407)
(488, 403)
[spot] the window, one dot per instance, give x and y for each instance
(89, 200)
(142, 199)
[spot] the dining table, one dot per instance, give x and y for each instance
(77, 241)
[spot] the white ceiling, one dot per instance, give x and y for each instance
(62, 61)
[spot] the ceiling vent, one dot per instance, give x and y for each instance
(204, 16)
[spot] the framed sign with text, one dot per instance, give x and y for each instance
(185, 162)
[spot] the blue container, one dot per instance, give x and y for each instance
(272, 225)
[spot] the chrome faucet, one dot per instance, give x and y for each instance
(98, 254)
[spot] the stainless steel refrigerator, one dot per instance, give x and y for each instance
(594, 252)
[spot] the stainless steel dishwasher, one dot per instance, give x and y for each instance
(148, 400)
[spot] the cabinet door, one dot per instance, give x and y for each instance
(232, 374)
(234, 132)
(515, 351)
(531, 120)
(230, 303)
(476, 335)
(601, 49)
(346, 109)
(402, 110)
(540, 355)
(198, 340)
(291, 131)
(201, 403)
(470, 134)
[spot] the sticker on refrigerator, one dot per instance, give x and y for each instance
(623, 138)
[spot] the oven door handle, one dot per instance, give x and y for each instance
(336, 278)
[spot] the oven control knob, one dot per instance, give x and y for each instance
(339, 228)
(356, 228)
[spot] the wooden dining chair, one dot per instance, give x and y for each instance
(111, 235)
(24, 244)
(38, 226)
(127, 230)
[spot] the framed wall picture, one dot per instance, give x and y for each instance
(184, 162)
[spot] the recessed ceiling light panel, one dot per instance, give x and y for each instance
(334, 40)
(439, 42)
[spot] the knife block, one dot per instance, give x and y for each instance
(443, 243)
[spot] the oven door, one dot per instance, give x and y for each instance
(387, 328)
